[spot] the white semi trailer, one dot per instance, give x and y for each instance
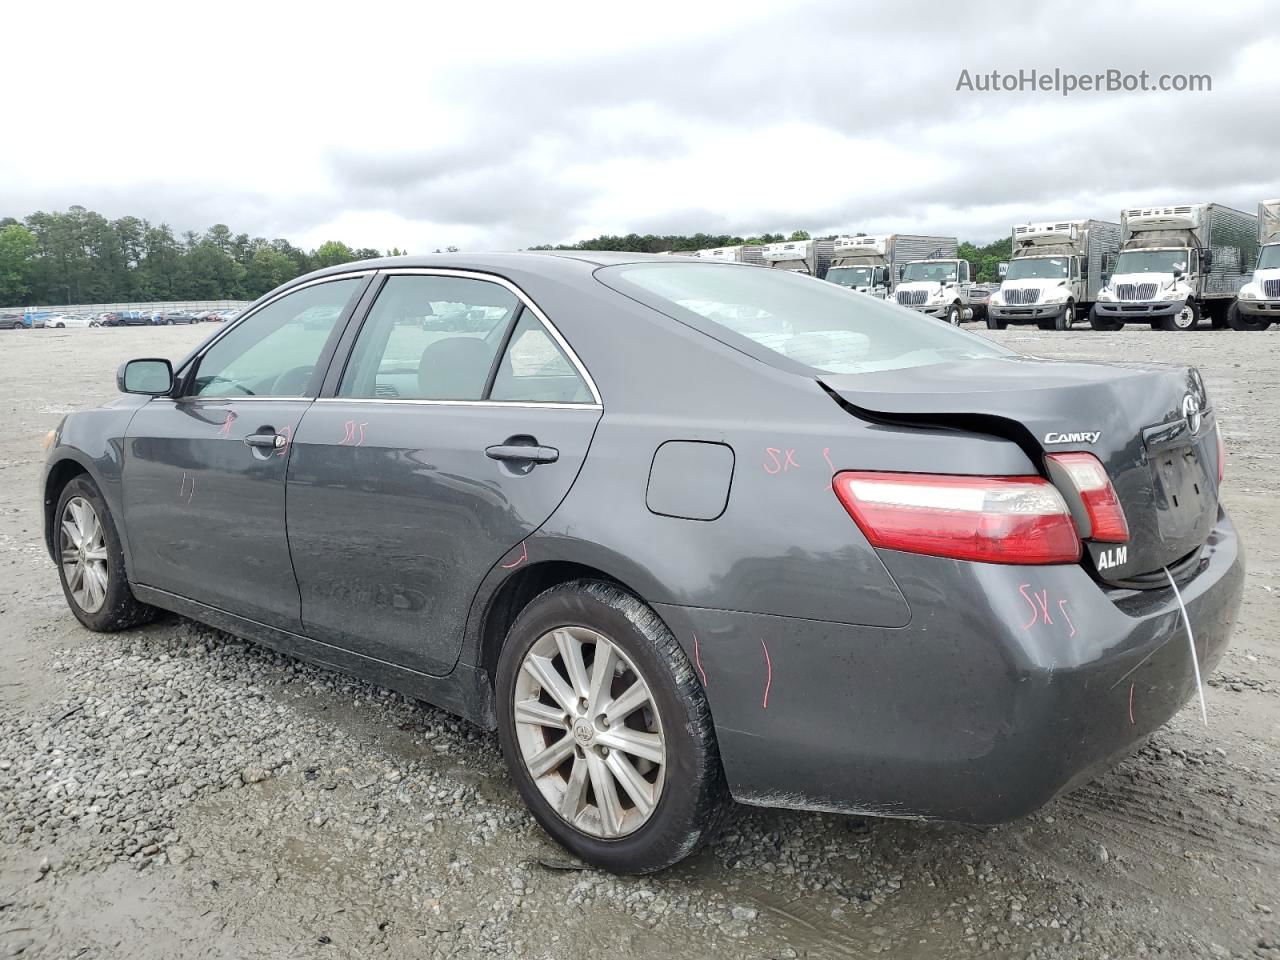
(799, 256)
(1258, 305)
(1058, 268)
(742, 253)
(1177, 264)
(939, 286)
(870, 264)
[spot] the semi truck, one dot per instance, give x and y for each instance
(742, 253)
(938, 286)
(799, 256)
(1056, 271)
(869, 264)
(1258, 305)
(1176, 265)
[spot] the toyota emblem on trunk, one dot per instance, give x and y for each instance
(1191, 412)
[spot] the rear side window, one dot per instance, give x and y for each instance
(795, 322)
(430, 338)
(535, 370)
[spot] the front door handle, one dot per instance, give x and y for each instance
(269, 441)
(522, 452)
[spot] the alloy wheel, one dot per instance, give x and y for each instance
(589, 732)
(84, 554)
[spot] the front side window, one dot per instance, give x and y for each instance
(274, 352)
(776, 316)
(430, 338)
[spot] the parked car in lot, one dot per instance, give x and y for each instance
(679, 530)
(34, 321)
(11, 321)
(63, 320)
(126, 318)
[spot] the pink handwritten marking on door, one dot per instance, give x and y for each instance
(182, 486)
(524, 555)
(360, 442)
(225, 429)
(826, 455)
(697, 660)
(1062, 606)
(192, 492)
(768, 680)
(350, 426)
(1131, 704)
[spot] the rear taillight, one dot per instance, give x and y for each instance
(989, 519)
(1089, 477)
(1222, 453)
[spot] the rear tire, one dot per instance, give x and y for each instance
(82, 519)
(592, 619)
(1099, 322)
(1238, 321)
(1187, 319)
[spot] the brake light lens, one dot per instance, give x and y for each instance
(1106, 516)
(987, 519)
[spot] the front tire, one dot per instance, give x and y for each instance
(1064, 320)
(91, 562)
(1238, 321)
(994, 324)
(1186, 319)
(606, 730)
(955, 315)
(1098, 322)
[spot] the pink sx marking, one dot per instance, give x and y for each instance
(768, 681)
(773, 455)
(697, 660)
(524, 555)
(1035, 614)
(1062, 606)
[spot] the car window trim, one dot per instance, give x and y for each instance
(329, 389)
(192, 364)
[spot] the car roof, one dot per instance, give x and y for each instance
(528, 260)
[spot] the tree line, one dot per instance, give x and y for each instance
(79, 256)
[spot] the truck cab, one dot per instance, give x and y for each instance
(939, 288)
(1055, 273)
(1258, 305)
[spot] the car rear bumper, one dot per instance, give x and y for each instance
(1008, 686)
(1126, 310)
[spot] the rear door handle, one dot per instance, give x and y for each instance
(524, 453)
(270, 441)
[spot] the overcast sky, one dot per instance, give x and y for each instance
(495, 125)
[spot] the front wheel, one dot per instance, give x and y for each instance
(1185, 319)
(606, 730)
(91, 563)
(955, 314)
(1099, 322)
(994, 324)
(1064, 320)
(1239, 321)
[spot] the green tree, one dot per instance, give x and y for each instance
(331, 253)
(799, 235)
(17, 258)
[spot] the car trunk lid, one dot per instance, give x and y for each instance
(1149, 425)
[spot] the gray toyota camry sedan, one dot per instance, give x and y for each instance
(679, 531)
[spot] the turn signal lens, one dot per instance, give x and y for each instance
(1106, 517)
(987, 519)
(49, 439)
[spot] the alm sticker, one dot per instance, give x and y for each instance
(1114, 557)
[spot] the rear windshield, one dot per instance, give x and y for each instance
(792, 320)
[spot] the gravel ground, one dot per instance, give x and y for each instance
(172, 791)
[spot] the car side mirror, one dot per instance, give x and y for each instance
(1206, 258)
(150, 377)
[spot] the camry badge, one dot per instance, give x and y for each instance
(1088, 436)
